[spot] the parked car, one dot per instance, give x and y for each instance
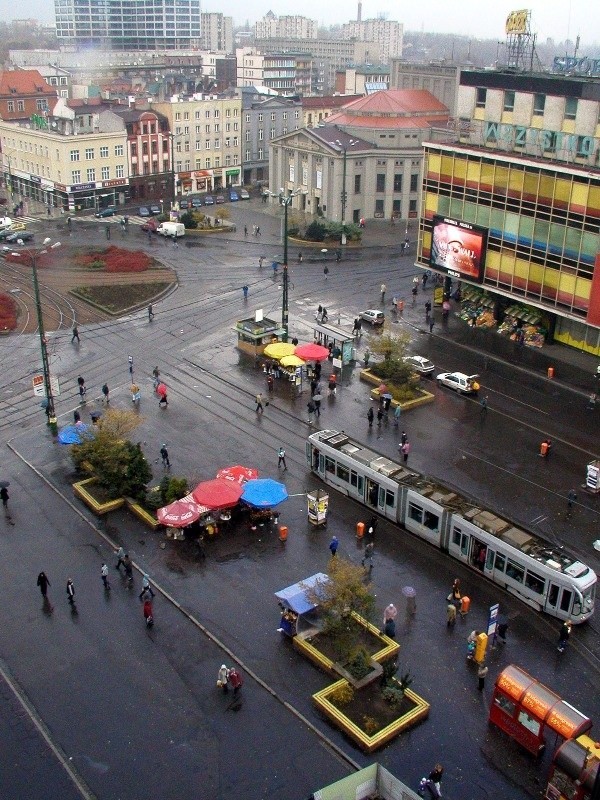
(24, 236)
(150, 225)
(197, 202)
(461, 383)
(209, 200)
(421, 365)
(233, 196)
(219, 199)
(155, 210)
(373, 316)
(5, 222)
(109, 211)
(184, 204)
(144, 211)
(5, 233)
(244, 194)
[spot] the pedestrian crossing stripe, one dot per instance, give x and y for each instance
(117, 219)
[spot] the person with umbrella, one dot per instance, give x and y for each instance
(161, 391)
(4, 496)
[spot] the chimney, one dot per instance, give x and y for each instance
(359, 17)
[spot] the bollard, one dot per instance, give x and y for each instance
(283, 532)
(550, 372)
(544, 449)
(360, 530)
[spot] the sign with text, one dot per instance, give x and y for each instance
(458, 248)
(39, 389)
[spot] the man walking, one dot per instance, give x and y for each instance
(281, 459)
(150, 312)
(368, 556)
(130, 361)
(71, 592)
(43, 583)
(245, 230)
(120, 554)
(105, 393)
(259, 403)
(82, 389)
(563, 638)
(164, 454)
(104, 576)
(75, 334)
(146, 588)
(484, 406)
(4, 496)
(481, 674)
(383, 290)
(370, 416)
(333, 546)
(571, 497)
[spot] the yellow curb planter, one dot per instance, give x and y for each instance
(140, 512)
(90, 501)
(369, 377)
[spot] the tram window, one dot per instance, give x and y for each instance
(505, 704)
(565, 600)
(514, 571)
(490, 559)
(464, 545)
(389, 498)
(534, 582)
(343, 473)
(353, 478)
(456, 536)
(329, 465)
(360, 484)
(416, 513)
(553, 595)
(431, 521)
(500, 562)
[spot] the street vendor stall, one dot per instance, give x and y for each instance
(297, 610)
(256, 333)
(318, 506)
(180, 514)
(263, 495)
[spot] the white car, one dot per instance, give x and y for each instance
(463, 384)
(244, 195)
(373, 316)
(5, 222)
(421, 365)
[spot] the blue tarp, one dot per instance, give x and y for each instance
(264, 493)
(75, 434)
(294, 597)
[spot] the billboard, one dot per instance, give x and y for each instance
(458, 248)
(517, 22)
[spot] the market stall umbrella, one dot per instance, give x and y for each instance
(217, 494)
(161, 389)
(292, 361)
(264, 493)
(312, 352)
(181, 513)
(237, 474)
(75, 434)
(279, 349)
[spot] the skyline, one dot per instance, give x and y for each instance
(553, 19)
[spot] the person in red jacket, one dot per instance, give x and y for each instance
(235, 679)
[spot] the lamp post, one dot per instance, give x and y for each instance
(33, 254)
(344, 193)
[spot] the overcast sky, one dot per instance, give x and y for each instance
(555, 19)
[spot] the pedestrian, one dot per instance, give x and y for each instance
(591, 406)
(333, 546)
(379, 416)
(484, 406)
(383, 290)
(433, 782)
(164, 454)
(387, 402)
(368, 555)
(76, 417)
(502, 628)
(270, 383)
(571, 497)
(128, 568)
(43, 583)
(370, 416)
(481, 673)
(427, 309)
(75, 335)
(146, 587)
(148, 613)
(455, 593)
(104, 576)
(82, 389)
(431, 324)
(130, 361)
(281, 458)
(312, 410)
(246, 232)
(261, 262)
(71, 592)
(108, 232)
(258, 230)
(391, 612)
(150, 312)
(317, 402)
(120, 554)
(450, 615)
(405, 451)
(406, 244)
(235, 679)
(175, 242)
(164, 400)
(105, 393)
(135, 393)
(300, 257)
(565, 632)
(332, 385)
(4, 496)
(325, 317)
(245, 291)
(223, 678)
(389, 629)
(155, 377)
(397, 413)
(259, 403)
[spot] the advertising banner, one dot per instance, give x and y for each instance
(458, 248)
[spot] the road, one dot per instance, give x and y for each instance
(137, 712)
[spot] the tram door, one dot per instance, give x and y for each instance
(552, 597)
(372, 493)
(478, 554)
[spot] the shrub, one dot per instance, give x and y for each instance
(316, 232)
(370, 725)
(293, 231)
(342, 695)
(188, 220)
(359, 665)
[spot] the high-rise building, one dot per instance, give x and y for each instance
(387, 33)
(129, 24)
(291, 27)
(217, 33)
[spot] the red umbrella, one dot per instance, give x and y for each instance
(217, 494)
(161, 389)
(312, 352)
(237, 474)
(181, 513)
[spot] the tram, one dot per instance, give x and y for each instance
(545, 577)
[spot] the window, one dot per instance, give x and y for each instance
(197, 116)
(261, 154)
(565, 600)
(104, 152)
(272, 133)
(186, 114)
(41, 105)
(380, 185)
(570, 107)
(431, 521)
(272, 116)
(261, 134)
(514, 571)
(534, 582)
(198, 144)
(539, 104)
(20, 105)
(247, 117)
(414, 183)
(415, 513)
(74, 155)
(118, 149)
(217, 144)
(260, 117)
(389, 498)
(227, 141)
(134, 149)
(329, 465)
(379, 210)
(120, 171)
(343, 473)
(235, 141)
(500, 562)
(186, 130)
(217, 127)
(236, 126)
(105, 173)
(480, 97)
(227, 112)
(207, 163)
(89, 153)
(227, 126)
(76, 176)
(246, 155)
(357, 179)
(91, 175)
(216, 113)
(397, 183)
(177, 117)
(207, 144)
(296, 114)
(11, 105)
(198, 129)
(207, 129)
(509, 101)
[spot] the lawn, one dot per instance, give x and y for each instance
(119, 298)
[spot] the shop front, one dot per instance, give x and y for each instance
(256, 333)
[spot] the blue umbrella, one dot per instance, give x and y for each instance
(264, 493)
(74, 434)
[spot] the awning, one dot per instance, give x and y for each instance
(295, 597)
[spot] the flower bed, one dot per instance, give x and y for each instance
(95, 498)
(421, 399)
(115, 259)
(8, 313)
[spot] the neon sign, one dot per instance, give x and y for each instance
(554, 141)
(580, 66)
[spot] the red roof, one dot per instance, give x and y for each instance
(330, 101)
(399, 102)
(24, 82)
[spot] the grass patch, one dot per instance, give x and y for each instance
(116, 299)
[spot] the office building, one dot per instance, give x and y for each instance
(217, 33)
(288, 27)
(387, 33)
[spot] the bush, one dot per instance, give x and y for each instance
(8, 312)
(359, 665)
(343, 695)
(115, 259)
(316, 232)
(171, 489)
(293, 231)
(392, 695)
(188, 220)
(370, 725)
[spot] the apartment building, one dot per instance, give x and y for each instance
(217, 32)
(387, 33)
(25, 93)
(316, 110)
(520, 175)
(287, 27)
(363, 79)
(288, 74)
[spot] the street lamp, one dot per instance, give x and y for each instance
(173, 191)
(33, 254)
(344, 193)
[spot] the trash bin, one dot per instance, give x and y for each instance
(283, 532)
(360, 530)
(544, 449)
(550, 372)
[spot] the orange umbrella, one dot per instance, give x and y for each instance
(218, 494)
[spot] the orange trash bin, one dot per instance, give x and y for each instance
(465, 605)
(550, 372)
(360, 530)
(544, 449)
(283, 532)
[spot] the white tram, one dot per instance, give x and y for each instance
(543, 576)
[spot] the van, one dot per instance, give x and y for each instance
(175, 229)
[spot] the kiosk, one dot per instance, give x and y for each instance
(592, 477)
(297, 610)
(255, 333)
(318, 505)
(523, 708)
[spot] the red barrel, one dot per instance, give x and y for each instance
(360, 530)
(283, 532)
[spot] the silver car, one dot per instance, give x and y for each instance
(461, 383)
(420, 364)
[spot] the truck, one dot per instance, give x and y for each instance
(173, 229)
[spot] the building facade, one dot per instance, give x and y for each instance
(288, 74)
(522, 171)
(264, 119)
(25, 94)
(207, 141)
(387, 33)
(126, 25)
(363, 79)
(439, 78)
(288, 27)
(217, 32)
(316, 110)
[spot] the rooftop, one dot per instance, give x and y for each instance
(24, 82)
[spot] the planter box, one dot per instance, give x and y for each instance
(368, 376)
(366, 742)
(140, 512)
(90, 501)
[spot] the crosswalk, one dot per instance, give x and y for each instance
(117, 219)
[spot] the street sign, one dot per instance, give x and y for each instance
(39, 389)
(492, 619)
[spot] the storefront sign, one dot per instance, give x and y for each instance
(60, 186)
(520, 136)
(35, 179)
(81, 187)
(232, 171)
(45, 184)
(114, 182)
(579, 66)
